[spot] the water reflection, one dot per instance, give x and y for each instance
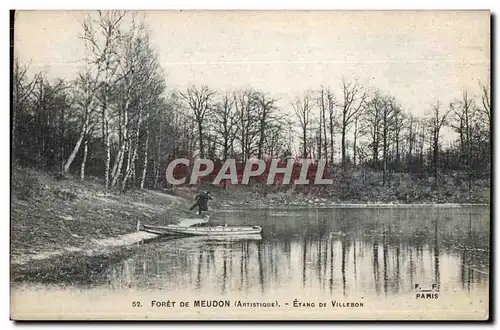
(341, 251)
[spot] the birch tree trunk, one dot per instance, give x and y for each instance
(145, 164)
(121, 139)
(84, 161)
(107, 147)
(82, 136)
(72, 156)
(129, 163)
(158, 160)
(123, 148)
(144, 169)
(89, 103)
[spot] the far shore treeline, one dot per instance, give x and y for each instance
(120, 122)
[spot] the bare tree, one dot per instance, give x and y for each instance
(139, 86)
(302, 107)
(464, 111)
(326, 104)
(411, 128)
(332, 121)
(359, 132)
(437, 121)
(265, 106)
(276, 141)
(373, 120)
(399, 124)
(49, 101)
(486, 103)
(86, 87)
(387, 119)
(248, 131)
(354, 99)
(130, 74)
(225, 123)
(22, 89)
(199, 101)
(103, 37)
(150, 87)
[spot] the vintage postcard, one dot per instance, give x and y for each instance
(250, 165)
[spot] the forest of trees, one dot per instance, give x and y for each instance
(119, 121)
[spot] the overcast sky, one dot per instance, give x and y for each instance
(417, 56)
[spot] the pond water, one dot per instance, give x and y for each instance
(349, 251)
(397, 263)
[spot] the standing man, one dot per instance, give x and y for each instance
(201, 201)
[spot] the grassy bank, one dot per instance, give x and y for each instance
(50, 214)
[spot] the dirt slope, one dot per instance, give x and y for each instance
(49, 215)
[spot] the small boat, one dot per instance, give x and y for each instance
(199, 227)
(203, 231)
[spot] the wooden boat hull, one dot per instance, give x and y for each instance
(161, 230)
(218, 231)
(204, 231)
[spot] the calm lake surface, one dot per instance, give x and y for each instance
(348, 253)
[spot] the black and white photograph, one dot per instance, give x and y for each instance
(252, 165)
